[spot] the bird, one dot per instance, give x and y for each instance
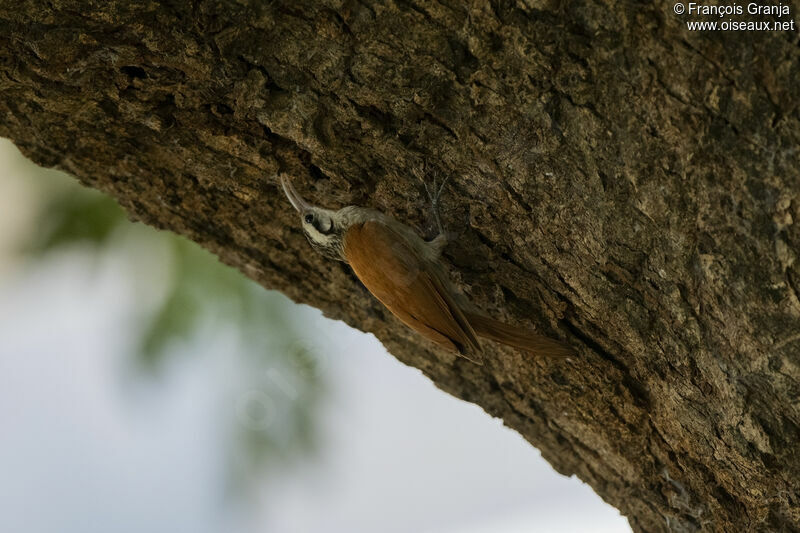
(406, 274)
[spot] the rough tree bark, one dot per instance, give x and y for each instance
(618, 181)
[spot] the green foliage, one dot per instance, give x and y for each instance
(199, 291)
(75, 216)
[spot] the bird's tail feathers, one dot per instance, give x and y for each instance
(517, 337)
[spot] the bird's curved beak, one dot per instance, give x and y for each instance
(297, 200)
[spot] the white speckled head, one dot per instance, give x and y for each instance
(320, 225)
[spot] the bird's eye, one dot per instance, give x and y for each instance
(309, 218)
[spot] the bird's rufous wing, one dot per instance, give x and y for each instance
(408, 286)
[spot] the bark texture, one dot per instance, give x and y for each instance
(617, 181)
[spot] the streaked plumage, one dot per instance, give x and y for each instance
(404, 273)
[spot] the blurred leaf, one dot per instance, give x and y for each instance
(75, 216)
(174, 320)
(201, 290)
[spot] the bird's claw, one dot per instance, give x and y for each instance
(434, 193)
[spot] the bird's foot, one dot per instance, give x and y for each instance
(434, 192)
(437, 244)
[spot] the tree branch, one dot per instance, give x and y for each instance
(617, 181)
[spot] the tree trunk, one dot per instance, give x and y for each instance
(617, 181)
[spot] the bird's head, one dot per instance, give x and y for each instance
(324, 228)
